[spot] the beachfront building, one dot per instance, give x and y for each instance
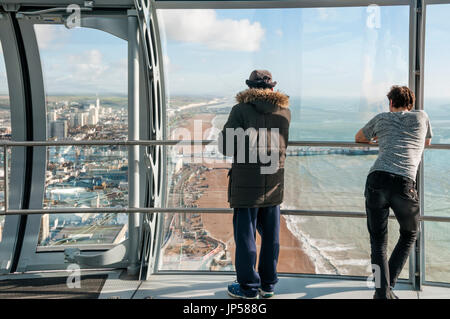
(107, 186)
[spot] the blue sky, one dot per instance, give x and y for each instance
(311, 52)
(330, 52)
(82, 60)
(437, 53)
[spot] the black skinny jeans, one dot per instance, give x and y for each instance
(384, 191)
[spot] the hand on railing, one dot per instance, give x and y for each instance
(374, 141)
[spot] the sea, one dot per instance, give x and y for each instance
(320, 179)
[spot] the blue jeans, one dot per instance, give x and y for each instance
(384, 191)
(245, 223)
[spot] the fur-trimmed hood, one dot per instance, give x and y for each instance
(265, 101)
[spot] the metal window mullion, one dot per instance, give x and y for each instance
(412, 85)
(15, 80)
(420, 259)
(418, 81)
(148, 73)
(27, 120)
(133, 134)
(146, 16)
(5, 177)
(283, 4)
(158, 236)
(437, 2)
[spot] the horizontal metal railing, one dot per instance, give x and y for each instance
(6, 143)
(127, 210)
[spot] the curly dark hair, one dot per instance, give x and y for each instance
(401, 96)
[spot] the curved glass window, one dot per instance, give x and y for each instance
(437, 252)
(336, 64)
(436, 166)
(5, 129)
(85, 77)
(437, 203)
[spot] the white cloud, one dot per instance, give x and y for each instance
(81, 67)
(204, 27)
(48, 35)
(87, 72)
(323, 15)
(167, 65)
(279, 32)
(166, 60)
(89, 66)
(326, 13)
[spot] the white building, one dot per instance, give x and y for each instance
(45, 228)
(79, 119)
(93, 116)
(51, 116)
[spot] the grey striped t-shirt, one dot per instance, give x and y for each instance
(401, 138)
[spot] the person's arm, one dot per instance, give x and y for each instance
(367, 134)
(361, 138)
(233, 122)
(429, 133)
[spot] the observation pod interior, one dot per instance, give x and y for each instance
(93, 185)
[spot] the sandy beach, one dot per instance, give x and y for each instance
(292, 258)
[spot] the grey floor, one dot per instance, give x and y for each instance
(200, 286)
(213, 286)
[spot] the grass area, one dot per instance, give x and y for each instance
(105, 101)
